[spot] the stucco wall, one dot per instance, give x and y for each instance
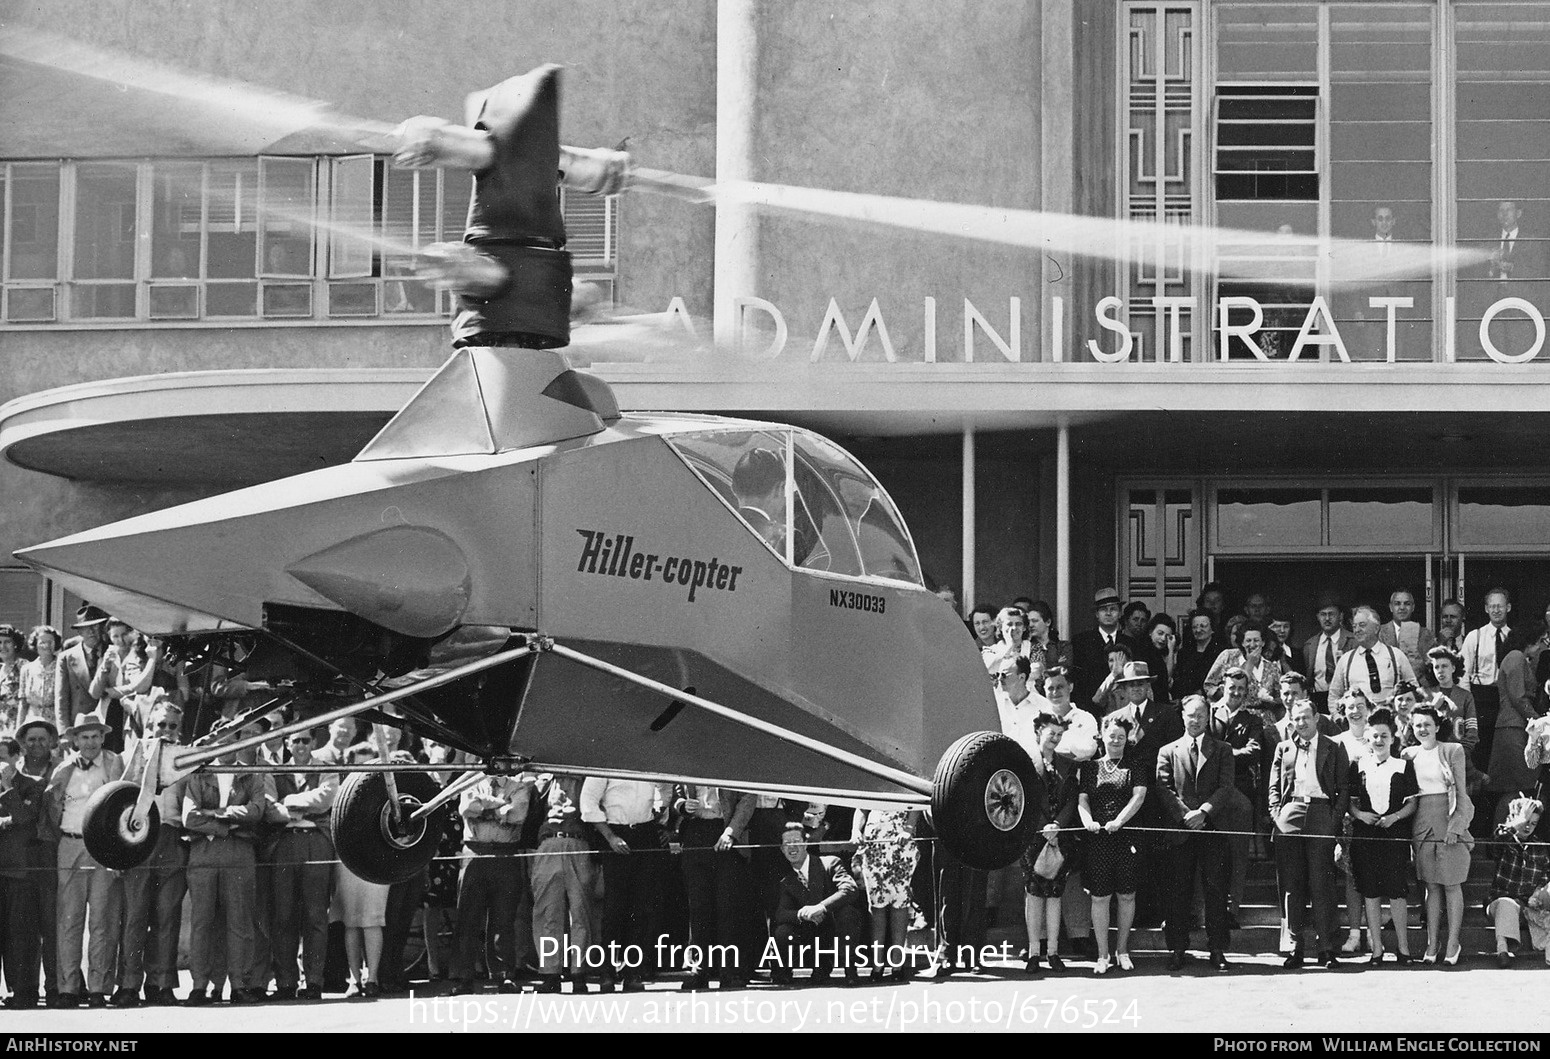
(919, 99)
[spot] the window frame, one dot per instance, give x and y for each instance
(317, 278)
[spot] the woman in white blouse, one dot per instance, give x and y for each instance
(1354, 707)
(1383, 789)
(1442, 842)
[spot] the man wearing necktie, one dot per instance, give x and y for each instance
(77, 665)
(1197, 789)
(1090, 647)
(816, 903)
(1321, 652)
(1505, 261)
(1484, 649)
(1308, 795)
(1370, 665)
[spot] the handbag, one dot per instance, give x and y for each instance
(1050, 860)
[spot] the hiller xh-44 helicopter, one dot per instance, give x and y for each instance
(515, 568)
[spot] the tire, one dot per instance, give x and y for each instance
(367, 840)
(108, 830)
(979, 800)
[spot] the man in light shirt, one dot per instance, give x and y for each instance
(1370, 664)
(628, 814)
(83, 882)
(492, 880)
(1079, 741)
(153, 892)
(1484, 650)
(1016, 702)
(1308, 796)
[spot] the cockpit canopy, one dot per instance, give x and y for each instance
(838, 520)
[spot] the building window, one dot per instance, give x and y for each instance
(1502, 167)
(29, 229)
(239, 239)
(1323, 127)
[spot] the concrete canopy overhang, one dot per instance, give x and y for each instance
(243, 426)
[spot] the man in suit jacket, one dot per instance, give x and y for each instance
(1196, 788)
(1308, 796)
(77, 665)
(815, 904)
(1090, 648)
(1321, 652)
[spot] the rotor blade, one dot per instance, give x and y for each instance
(240, 102)
(1266, 257)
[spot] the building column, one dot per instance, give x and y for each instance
(737, 225)
(1063, 529)
(1058, 106)
(968, 520)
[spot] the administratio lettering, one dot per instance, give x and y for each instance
(1234, 318)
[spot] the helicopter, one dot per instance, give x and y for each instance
(518, 569)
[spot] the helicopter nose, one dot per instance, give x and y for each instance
(410, 579)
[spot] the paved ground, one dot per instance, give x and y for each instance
(1257, 997)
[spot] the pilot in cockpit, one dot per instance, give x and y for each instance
(759, 483)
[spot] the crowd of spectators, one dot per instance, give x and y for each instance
(1371, 762)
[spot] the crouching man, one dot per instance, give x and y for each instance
(816, 919)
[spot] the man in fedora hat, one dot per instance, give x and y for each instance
(1090, 648)
(1153, 726)
(82, 881)
(78, 664)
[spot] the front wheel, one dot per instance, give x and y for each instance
(368, 838)
(979, 800)
(109, 830)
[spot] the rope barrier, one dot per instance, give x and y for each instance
(820, 845)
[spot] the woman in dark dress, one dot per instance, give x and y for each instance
(1054, 811)
(1383, 792)
(1110, 790)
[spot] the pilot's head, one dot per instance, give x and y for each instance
(759, 480)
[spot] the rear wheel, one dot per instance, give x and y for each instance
(109, 830)
(979, 800)
(368, 838)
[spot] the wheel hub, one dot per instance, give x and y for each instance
(1004, 800)
(128, 830)
(402, 832)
